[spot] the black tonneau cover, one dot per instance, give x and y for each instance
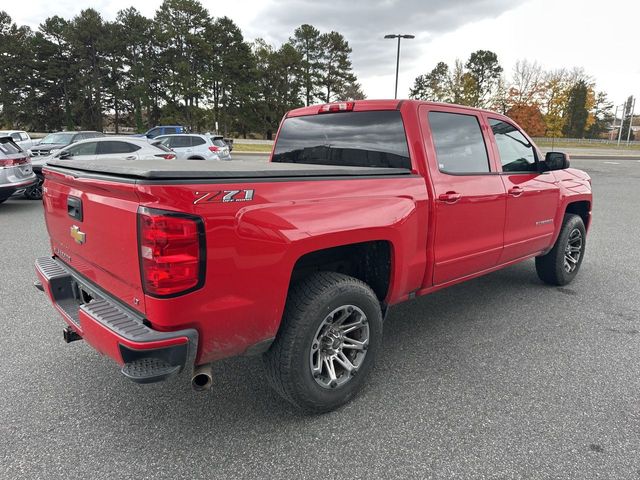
(204, 169)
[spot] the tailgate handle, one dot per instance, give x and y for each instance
(74, 207)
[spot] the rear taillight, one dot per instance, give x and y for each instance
(337, 107)
(166, 156)
(214, 148)
(172, 252)
(13, 162)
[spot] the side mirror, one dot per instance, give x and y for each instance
(64, 155)
(555, 161)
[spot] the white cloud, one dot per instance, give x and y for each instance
(557, 33)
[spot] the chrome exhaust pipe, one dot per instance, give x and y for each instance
(202, 378)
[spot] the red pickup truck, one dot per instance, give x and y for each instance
(170, 266)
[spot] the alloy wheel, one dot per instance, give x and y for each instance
(339, 346)
(573, 250)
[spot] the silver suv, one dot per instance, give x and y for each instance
(16, 173)
(194, 146)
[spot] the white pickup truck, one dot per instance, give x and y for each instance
(19, 137)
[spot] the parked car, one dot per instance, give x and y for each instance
(163, 130)
(15, 169)
(100, 148)
(55, 141)
(195, 147)
(115, 148)
(364, 205)
(19, 137)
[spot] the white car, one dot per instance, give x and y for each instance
(105, 148)
(19, 137)
(194, 146)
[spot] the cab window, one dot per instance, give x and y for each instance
(516, 152)
(459, 143)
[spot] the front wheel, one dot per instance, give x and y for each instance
(561, 264)
(330, 335)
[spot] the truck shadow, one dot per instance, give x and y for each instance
(422, 339)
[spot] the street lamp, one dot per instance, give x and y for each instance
(398, 36)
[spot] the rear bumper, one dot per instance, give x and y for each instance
(146, 355)
(8, 189)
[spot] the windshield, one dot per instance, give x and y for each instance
(357, 139)
(57, 138)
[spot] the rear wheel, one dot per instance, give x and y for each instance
(561, 264)
(330, 335)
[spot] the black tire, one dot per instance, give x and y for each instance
(309, 304)
(551, 268)
(34, 192)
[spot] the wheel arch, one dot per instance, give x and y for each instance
(581, 208)
(368, 261)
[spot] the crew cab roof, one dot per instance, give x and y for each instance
(190, 169)
(369, 105)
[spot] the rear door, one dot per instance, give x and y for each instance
(532, 196)
(469, 194)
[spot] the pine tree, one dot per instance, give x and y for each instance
(306, 40)
(576, 113)
(336, 71)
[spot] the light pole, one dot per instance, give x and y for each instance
(398, 36)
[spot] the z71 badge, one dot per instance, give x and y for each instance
(223, 196)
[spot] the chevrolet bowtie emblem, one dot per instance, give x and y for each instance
(77, 235)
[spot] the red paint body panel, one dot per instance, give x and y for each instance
(109, 257)
(252, 247)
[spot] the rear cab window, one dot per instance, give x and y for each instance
(357, 139)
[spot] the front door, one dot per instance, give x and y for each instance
(532, 196)
(469, 194)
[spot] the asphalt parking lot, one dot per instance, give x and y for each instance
(500, 377)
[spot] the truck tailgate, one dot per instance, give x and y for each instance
(92, 227)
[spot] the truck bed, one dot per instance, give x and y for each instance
(199, 169)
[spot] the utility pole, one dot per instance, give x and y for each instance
(615, 119)
(624, 109)
(398, 36)
(633, 109)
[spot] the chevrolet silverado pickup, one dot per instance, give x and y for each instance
(168, 266)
